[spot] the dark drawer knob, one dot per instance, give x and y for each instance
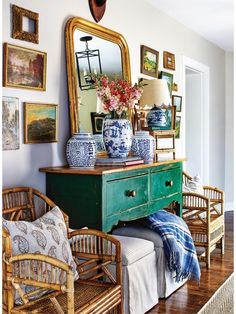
(131, 193)
(169, 183)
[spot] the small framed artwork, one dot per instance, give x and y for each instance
(169, 78)
(40, 123)
(177, 126)
(175, 87)
(149, 61)
(25, 24)
(24, 68)
(168, 60)
(177, 101)
(10, 123)
(97, 122)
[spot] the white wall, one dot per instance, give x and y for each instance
(140, 23)
(229, 131)
(193, 122)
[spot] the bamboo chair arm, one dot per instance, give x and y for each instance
(195, 196)
(99, 249)
(213, 193)
(42, 258)
(51, 273)
(92, 232)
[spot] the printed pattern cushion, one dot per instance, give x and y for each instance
(46, 235)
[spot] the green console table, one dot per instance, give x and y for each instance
(101, 197)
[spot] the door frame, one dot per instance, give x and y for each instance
(205, 114)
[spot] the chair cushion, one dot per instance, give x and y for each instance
(46, 235)
(133, 249)
(137, 230)
(194, 185)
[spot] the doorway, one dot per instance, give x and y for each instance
(196, 118)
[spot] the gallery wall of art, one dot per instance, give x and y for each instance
(148, 27)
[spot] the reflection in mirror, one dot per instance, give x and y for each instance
(93, 55)
(91, 49)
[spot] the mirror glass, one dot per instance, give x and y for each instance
(91, 49)
(105, 59)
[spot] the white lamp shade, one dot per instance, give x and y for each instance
(155, 92)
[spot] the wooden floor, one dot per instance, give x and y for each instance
(190, 298)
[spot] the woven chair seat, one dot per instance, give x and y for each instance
(84, 296)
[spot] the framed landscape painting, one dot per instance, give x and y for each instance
(177, 126)
(149, 61)
(40, 123)
(24, 68)
(10, 123)
(169, 78)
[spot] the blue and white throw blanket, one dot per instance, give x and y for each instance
(178, 244)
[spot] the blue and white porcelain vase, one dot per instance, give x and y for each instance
(81, 151)
(117, 137)
(143, 145)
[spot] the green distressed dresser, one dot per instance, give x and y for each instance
(101, 197)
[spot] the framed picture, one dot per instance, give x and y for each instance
(177, 126)
(40, 123)
(177, 101)
(24, 68)
(168, 60)
(169, 77)
(97, 122)
(20, 17)
(10, 123)
(149, 61)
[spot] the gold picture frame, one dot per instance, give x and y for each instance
(149, 61)
(40, 123)
(18, 32)
(24, 68)
(168, 60)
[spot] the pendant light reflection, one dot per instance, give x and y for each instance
(88, 64)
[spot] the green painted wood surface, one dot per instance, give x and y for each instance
(119, 190)
(101, 201)
(161, 183)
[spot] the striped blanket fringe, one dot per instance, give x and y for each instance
(178, 244)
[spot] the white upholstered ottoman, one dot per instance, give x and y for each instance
(165, 279)
(139, 275)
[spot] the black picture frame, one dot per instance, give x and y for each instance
(177, 101)
(97, 122)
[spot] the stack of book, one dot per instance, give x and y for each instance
(128, 161)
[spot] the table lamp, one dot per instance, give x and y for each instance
(156, 93)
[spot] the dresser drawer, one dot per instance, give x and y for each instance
(126, 193)
(165, 183)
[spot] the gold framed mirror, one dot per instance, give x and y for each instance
(112, 53)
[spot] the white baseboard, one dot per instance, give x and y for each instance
(229, 206)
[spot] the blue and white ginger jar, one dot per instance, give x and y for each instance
(81, 151)
(117, 137)
(143, 145)
(159, 118)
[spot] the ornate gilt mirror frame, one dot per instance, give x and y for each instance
(96, 30)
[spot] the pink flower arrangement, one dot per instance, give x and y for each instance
(117, 96)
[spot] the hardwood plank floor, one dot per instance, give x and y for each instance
(190, 298)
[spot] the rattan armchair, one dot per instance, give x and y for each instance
(96, 290)
(204, 215)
